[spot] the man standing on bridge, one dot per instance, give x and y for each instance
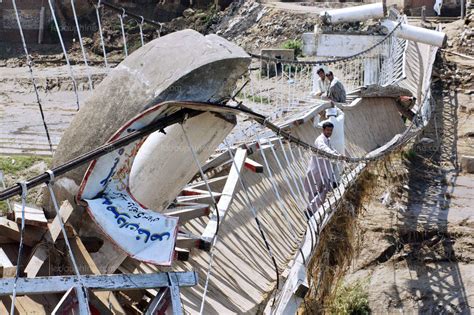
(336, 91)
(320, 177)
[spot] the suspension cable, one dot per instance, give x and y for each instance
(97, 8)
(82, 294)
(124, 37)
(257, 220)
(30, 69)
(82, 45)
(217, 214)
(71, 72)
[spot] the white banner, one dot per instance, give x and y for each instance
(142, 233)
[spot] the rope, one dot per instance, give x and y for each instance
(66, 239)
(97, 7)
(24, 191)
(291, 188)
(64, 52)
(30, 69)
(82, 45)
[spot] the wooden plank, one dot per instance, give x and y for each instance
(11, 229)
(216, 161)
(189, 240)
(209, 181)
(253, 166)
(6, 240)
(189, 212)
(227, 194)
(203, 198)
(115, 282)
(82, 300)
(33, 216)
(7, 270)
(107, 302)
(196, 192)
(55, 228)
(40, 253)
(177, 308)
(159, 303)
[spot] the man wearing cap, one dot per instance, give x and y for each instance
(336, 91)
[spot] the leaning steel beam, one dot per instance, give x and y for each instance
(56, 284)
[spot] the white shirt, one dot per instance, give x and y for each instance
(324, 143)
(320, 86)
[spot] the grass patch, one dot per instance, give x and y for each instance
(351, 299)
(14, 167)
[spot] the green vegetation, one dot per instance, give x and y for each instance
(409, 154)
(296, 45)
(351, 299)
(15, 166)
(211, 15)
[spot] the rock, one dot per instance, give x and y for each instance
(467, 164)
(188, 12)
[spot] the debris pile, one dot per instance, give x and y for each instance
(459, 55)
(461, 34)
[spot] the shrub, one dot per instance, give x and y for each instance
(296, 45)
(351, 299)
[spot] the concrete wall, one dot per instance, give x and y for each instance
(29, 12)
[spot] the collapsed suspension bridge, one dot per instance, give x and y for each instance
(243, 208)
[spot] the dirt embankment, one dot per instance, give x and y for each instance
(417, 245)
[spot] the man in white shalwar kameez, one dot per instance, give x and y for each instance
(320, 176)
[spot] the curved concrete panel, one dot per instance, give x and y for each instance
(183, 65)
